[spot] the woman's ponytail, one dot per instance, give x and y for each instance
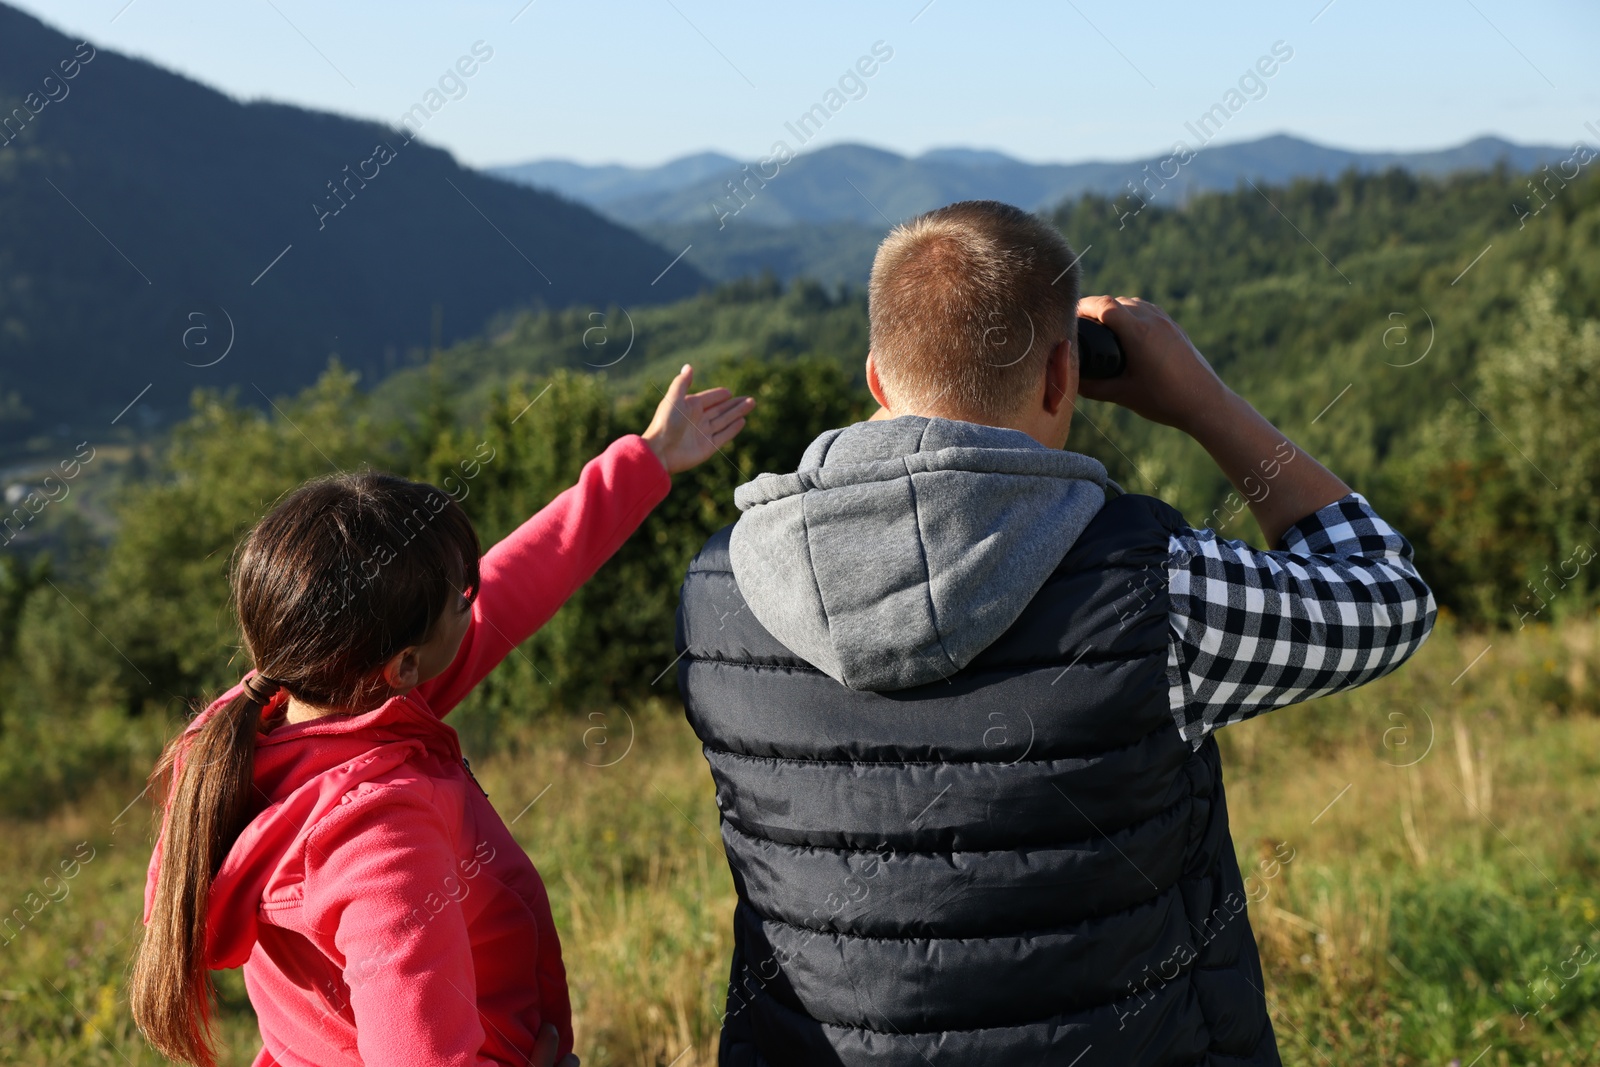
(341, 574)
(207, 779)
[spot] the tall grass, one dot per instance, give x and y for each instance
(1440, 903)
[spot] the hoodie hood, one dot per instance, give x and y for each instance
(903, 548)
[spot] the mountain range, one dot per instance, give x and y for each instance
(822, 214)
(161, 235)
(873, 186)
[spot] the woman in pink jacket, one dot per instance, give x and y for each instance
(321, 828)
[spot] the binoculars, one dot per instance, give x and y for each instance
(1099, 352)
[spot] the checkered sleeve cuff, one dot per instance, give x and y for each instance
(1338, 606)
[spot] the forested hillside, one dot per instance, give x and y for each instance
(1433, 348)
(1386, 322)
(159, 233)
(1434, 341)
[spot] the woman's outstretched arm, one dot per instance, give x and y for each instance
(525, 578)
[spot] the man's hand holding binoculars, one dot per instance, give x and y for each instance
(1165, 379)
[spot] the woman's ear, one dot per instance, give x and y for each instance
(403, 670)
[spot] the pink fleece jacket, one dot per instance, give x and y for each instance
(382, 912)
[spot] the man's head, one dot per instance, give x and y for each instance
(973, 311)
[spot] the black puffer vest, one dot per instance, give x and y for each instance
(1022, 864)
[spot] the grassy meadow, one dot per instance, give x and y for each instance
(1424, 852)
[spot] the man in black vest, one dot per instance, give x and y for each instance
(958, 690)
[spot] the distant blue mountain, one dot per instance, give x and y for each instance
(824, 212)
(967, 157)
(610, 182)
(871, 186)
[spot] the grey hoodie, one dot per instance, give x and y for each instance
(903, 548)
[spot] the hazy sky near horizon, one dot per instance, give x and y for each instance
(644, 81)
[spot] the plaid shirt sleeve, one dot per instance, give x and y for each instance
(1339, 605)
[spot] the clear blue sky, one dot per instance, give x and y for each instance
(642, 81)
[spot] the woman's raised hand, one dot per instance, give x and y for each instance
(688, 427)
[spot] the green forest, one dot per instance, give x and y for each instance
(1436, 342)
(1458, 400)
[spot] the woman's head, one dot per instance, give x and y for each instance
(353, 587)
(344, 575)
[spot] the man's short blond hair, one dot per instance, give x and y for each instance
(965, 304)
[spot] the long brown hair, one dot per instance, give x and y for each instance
(342, 574)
